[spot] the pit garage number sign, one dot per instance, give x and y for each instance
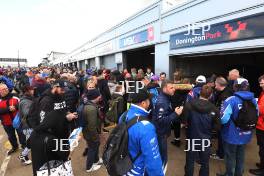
(249, 27)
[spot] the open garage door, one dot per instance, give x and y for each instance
(249, 63)
(108, 62)
(140, 58)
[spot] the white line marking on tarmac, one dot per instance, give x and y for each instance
(4, 165)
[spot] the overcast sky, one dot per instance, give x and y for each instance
(37, 27)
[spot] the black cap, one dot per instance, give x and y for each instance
(93, 94)
(140, 96)
(60, 83)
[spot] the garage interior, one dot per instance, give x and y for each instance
(249, 63)
(140, 58)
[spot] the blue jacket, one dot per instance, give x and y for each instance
(163, 115)
(229, 110)
(154, 90)
(142, 137)
(194, 93)
(7, 82)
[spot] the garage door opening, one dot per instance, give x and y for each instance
(141, 58)
(249, 64)
(108, 62)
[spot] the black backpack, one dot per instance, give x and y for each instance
(33, 118)
(116, 156)
(247, 116)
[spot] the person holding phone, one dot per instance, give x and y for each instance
(54, 123)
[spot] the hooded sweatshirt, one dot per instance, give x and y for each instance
(201, 117)
(51, 102)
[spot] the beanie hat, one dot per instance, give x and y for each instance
(93, 94)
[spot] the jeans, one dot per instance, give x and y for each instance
(234, 159)
(203, 156)
(163, 149)
(92, 154)
(11, 133)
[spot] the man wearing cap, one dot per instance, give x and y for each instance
(142, 138)
(235, 139)
(53, 98)
(54, 124)
(92, 129)
(195, 92)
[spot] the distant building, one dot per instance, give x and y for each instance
(45, 61)
(13, 62)
(54, 57)
(195, 36)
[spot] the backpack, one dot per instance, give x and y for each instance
(81, 122)
(33, 118)
(116, 156)
(112, 113)
(247, 116)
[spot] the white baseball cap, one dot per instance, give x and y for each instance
(201, 79)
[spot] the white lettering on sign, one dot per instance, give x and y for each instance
(129, 40)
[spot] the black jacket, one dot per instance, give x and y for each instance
(201, 117)
(179, 98)
(102, 85)
(71, 97)
(220, 97)
(56, 127)
(51, 102)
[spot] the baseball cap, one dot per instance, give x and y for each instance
(242, 82)
(201, 79)
(60, 83)
(142, 95)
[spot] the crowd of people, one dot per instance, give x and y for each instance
(51, 102)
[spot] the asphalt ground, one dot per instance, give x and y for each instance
(11, 166)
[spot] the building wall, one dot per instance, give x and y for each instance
(108, 42)
(210, 12)
(166, 24)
